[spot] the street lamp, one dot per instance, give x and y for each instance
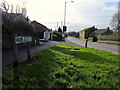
(65, 27)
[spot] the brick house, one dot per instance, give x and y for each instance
(43, 31)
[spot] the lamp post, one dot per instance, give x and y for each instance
(65, 27)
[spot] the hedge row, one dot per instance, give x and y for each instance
(113, 37)
(17, 26)
(57, 35)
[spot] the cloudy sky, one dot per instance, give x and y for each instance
(79, 15)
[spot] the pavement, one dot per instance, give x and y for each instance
(100, 46)
(7, 57)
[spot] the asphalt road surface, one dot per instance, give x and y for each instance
(100, 46)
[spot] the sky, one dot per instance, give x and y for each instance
(79, 15)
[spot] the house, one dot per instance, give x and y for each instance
(43, 31)
(94, 32)
(97, 32)
(84, 34)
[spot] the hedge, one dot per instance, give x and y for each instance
(113, 37)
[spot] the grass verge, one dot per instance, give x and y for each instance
(63, 41)
(58, 67)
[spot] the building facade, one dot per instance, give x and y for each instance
(43, 31)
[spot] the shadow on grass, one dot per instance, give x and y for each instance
(33, 75)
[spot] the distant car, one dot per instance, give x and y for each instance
(43, 40)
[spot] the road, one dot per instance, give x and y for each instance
(100, 46)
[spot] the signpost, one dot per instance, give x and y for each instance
(17, 40)
(86, 43)
(22, 39)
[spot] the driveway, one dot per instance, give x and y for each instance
(100, 46)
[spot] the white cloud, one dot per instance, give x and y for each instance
(91, 13)
(80, 14)
(46, 11)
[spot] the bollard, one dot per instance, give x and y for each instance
(86, 43)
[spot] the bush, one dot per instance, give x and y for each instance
(74, 34)
(22, 27)
(17, 26)
(57, 35)
(113, 37)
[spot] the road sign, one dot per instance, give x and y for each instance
(22, 39)
(17, 40)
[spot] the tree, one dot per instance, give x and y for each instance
(5, 6)
(9, 7)
(59, 30)
(12, 8)
(115, 22)
(57, 35)
(74, 34)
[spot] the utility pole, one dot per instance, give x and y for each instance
(57, 24)
(65, 27)
(61, 24)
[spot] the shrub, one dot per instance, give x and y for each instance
(57, 35)
(74, 34)
(114, 37)
(22, 27)
(15, 26)
(59, 30)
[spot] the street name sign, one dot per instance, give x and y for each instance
(22, 39)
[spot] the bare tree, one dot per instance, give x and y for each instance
(17, 8)
(115, 22)
(5, 6)
(12, 8)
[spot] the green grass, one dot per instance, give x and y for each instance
(58, 67)
(63, 41)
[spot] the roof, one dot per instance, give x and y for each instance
(39, 27)
(100, 31)
(87, 29)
